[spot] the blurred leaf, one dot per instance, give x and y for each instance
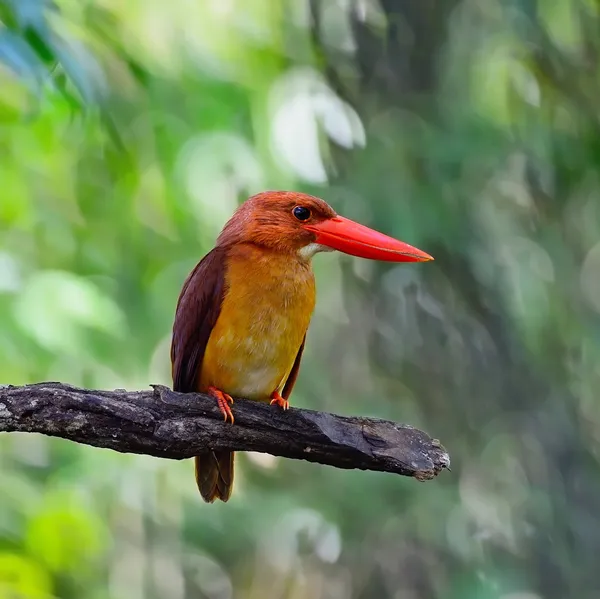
(55, 308)
(18, 55)
(65, 535)
(22, 578)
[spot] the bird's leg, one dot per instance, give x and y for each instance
(277, 399)
(223, 401)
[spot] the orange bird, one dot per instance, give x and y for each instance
(243, 312)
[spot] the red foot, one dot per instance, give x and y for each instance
(277, 399)
(223, 401)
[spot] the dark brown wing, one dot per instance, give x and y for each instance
(291, 380)
(197, 311)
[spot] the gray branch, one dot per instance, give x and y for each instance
(165, 424)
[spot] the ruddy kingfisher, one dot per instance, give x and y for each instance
(243, 312)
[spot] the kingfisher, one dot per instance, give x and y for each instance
(243, 312)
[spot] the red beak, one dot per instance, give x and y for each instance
(347, 236)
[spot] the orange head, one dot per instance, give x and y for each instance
(291, 222)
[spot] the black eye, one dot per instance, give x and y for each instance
(301, 213)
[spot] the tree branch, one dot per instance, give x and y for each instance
(166, 424)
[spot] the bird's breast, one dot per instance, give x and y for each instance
(266, 311)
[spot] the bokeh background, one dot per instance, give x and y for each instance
(130, 130)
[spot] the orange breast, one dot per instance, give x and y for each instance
(266, 311)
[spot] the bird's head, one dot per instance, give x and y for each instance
(301, 224)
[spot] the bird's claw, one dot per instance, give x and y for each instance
(223, 401)
(278, 400)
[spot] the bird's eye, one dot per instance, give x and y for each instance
(301, 213)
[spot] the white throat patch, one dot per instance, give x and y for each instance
(308, 251)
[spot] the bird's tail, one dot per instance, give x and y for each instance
(214, 475)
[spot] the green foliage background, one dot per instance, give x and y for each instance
(129, 131)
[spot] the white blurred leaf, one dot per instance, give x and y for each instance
(10, 276)
(301, 104)
(55, 307)
(214, 168)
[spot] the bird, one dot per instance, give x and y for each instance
(243, 312)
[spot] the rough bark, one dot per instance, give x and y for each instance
(162, 423)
